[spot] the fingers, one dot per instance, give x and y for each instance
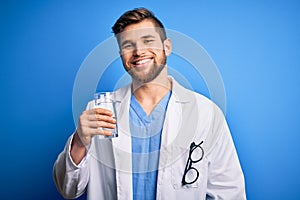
(99, 111)
(106, 118)
(86, 133)
(101, 124)
(102, 111)
(96, 121)
(101, 131)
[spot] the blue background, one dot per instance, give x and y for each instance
(255, 44)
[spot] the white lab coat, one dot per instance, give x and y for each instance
(105, 172)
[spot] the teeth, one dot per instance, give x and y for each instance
(140, 62)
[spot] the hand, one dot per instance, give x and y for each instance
(92, 122)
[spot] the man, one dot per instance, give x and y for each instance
(172, 144)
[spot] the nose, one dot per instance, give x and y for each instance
(139, 49)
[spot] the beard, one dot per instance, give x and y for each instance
(145, 76)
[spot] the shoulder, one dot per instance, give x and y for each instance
(186, 95)
(204, 105)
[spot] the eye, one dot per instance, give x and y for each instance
(148, 41)
(127, 46)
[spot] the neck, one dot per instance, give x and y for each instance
(149, 94)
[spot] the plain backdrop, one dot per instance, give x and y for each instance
(254, 44)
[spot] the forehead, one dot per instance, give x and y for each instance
(138, 30)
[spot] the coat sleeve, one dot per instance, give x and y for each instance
(225, 176)
(70, 179)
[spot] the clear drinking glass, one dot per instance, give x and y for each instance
(107, 100)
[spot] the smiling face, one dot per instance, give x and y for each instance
(142, 51)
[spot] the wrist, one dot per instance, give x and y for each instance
(77, 141)
(78, 149)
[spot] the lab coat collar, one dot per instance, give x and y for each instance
(180, 93)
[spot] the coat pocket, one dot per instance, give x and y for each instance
(178, 169)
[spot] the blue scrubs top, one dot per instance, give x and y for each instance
(146, 138)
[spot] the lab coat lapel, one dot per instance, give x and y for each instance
(172, 125)
(122, 145)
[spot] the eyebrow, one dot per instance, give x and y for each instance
(143, 37)
(147, 36)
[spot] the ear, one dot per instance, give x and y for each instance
(168, 46)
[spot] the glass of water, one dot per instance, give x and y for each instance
(107, 100)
